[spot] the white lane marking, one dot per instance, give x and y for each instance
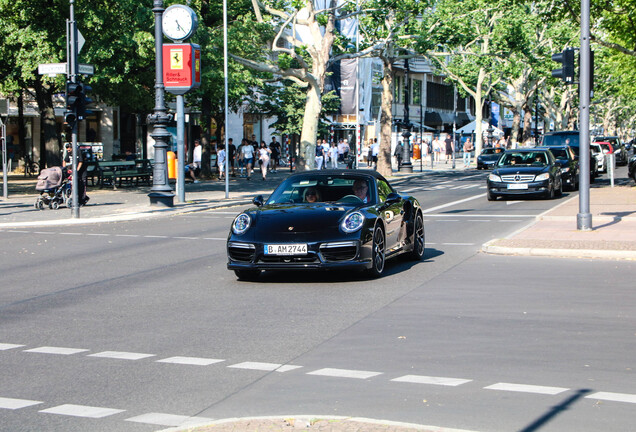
(98, 235)
(19, 231)
(270, 367)
(127, 235)
(155, 236)
(525, 388)
(13, 404)
(345, 373)
(8, 346)
(513, 202)
(614, 397)
(480, 215)
(215, 238)
(483, 187)
(479, 220)
(82, 411)
(121, 355)
(186, 238)
(453, 203)
(197, 361)
(420, 379)
(71, 233)
(43, 232)
(162, 419)
(56, 350)
(412, 189)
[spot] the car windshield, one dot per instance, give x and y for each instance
(560, 153)
(523, 158)
(491, 150)
(324, 188)
(571, 139)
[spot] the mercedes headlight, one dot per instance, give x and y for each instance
(352, 222)
(494, 178)
(563, 170)
(544, 176)
(241, 223)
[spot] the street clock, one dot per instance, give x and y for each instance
(179, 22)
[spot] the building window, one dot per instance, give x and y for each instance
(417, 92)
(439, 96)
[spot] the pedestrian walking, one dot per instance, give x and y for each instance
(263, 159)
(220, 157)
(398, 153)
(448, 142)
(333, 155)
(320, 156)
(67, 163)
(468, 148)
(274, 146)
(247, 153)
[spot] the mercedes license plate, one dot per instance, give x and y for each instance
(518, 186)
(286, 249)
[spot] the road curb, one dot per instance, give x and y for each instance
(491, 248)
(305, 422)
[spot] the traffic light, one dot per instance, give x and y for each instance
(73, 95)
(84, 101)
(566, 58)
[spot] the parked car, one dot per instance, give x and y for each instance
(488, 157)
(631, 168)
(593, 166)
(569, 162)
(620, 152)
(599, 155)
(532, 171)
(327, 219)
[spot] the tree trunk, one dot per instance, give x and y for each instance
(206, 117)
(313, 107)
(50, 149)
(527, 125)
(386, 121)
(516, 122)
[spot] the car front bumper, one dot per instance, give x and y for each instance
(531, 188)
(348, 254)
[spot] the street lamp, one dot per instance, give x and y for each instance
(406, 166)
(161, 193)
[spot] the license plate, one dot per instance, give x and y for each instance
(518, 186)
(286, 249)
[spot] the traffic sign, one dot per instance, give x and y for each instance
(61, 68)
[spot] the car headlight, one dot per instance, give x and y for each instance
(352, 222)
(563, 170)
(494, 177)
(544, 176)
(241, 223)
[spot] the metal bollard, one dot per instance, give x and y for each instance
(610, 163)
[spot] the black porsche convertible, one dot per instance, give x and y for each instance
(327, 219)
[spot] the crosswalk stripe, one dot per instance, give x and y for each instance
(13, 404)
(82, 411)
(614, 397)
(56, 350)
(345, 373)
(419, 379)
(525, 388)
(270, 367)
(121, 355)
(197, 361)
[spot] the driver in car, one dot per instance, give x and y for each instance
(360, 189)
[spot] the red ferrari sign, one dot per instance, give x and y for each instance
(181, 67)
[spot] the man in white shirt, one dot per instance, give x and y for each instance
(195, 167)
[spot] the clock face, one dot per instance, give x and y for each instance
(178, 22)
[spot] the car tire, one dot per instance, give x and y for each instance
(491, 197)
(247, 275)
(419, 243)
(559, 191)
(378, 253)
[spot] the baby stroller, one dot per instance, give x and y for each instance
(55, 188)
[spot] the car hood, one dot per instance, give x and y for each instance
(296, 222)
(508, 170)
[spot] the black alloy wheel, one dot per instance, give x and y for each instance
(378, 254)
(559, 191)
(419, 245)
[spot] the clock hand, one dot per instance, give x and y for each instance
(178, 25)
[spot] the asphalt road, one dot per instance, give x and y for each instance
(131, 326)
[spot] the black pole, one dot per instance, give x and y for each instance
(406, 166)
(161, 193)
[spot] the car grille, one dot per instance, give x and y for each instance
(339, 251)
(241, 252)
(518, 178)
(289, 259)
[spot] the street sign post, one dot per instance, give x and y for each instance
(62, 68)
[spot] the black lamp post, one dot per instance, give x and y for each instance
(406, 166)
(161, 193)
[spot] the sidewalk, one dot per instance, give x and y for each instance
(555, 233)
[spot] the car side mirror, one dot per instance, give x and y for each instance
(393, 198)
(258, 201)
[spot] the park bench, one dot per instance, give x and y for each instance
(116, 172)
